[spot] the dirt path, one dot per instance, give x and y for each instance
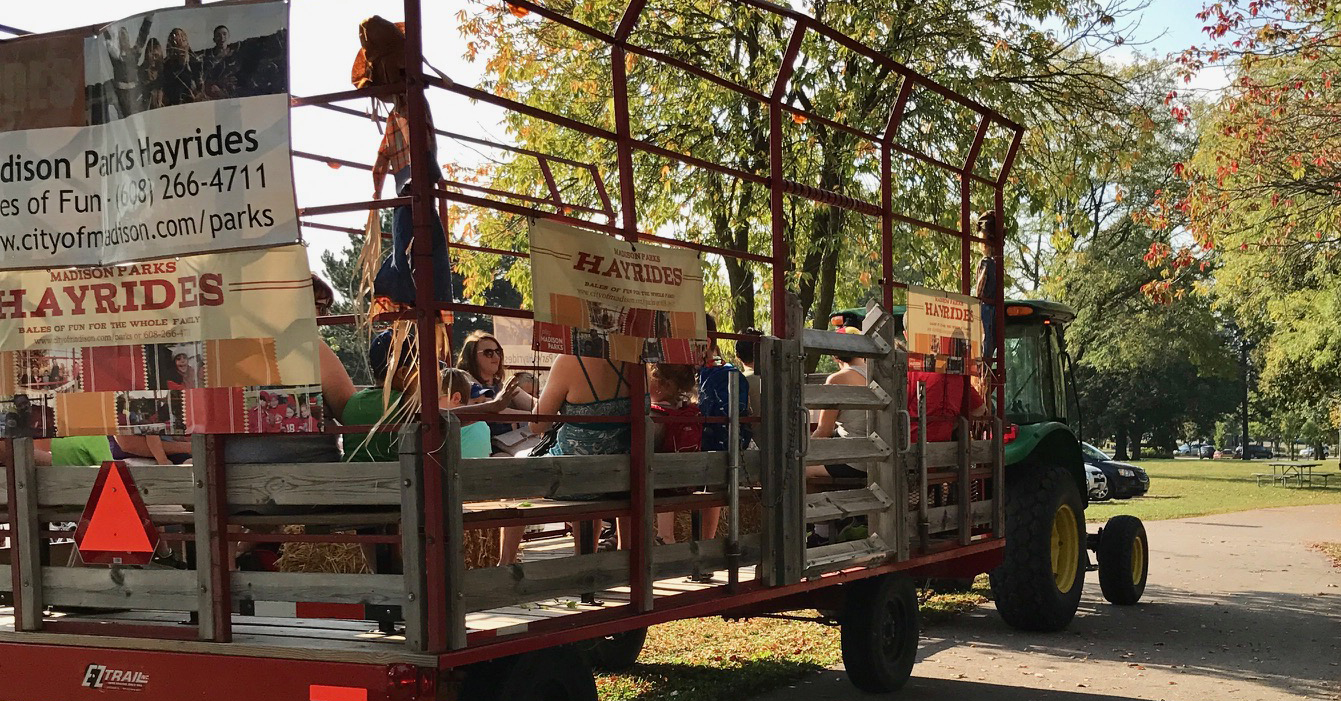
(1237, 608)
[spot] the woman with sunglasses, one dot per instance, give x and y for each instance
(482, 357)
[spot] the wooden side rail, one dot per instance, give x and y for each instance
(495, 587)
(270, 486)
(845, 344)
(845, 397)
(515, 512)
(175, 590)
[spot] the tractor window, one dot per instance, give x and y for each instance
(1029, 395)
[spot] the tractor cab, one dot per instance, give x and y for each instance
(1038, 385)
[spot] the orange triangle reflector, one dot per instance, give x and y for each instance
(115, 528)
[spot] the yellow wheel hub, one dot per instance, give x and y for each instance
(1137, 560)
(1065, 548)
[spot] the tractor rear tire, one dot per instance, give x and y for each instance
(1037, 586)
(1124, 560)
(552, 674)
(618, 652)
(879, 632)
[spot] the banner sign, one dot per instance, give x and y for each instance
(218, 343)
(944, 332)
(188, 149)
(599, 296)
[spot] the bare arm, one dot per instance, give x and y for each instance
(336, 387)
(552, 396)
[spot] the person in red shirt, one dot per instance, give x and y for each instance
(945, 399)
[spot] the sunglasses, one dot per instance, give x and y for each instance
(492, 353)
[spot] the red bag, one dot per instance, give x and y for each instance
(680, 436)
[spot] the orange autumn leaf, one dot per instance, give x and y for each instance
(517, 10)
(799, 118)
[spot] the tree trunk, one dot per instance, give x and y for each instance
(740, 278)
(1121, 440)
(1135, 437)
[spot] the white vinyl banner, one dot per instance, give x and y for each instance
(187, 152)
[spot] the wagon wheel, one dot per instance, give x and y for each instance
(879, 632)
(1124, 560)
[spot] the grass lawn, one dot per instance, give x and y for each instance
(1182, 488)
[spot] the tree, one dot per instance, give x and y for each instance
(1263, 186)
(996, 52)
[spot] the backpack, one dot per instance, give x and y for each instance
(381, 61)
(680, 436)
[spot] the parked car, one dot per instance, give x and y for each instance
(1206, 452)
(1254, 452)
(1098, 483)
(1124, 481)
(1308, 452)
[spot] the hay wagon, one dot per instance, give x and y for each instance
(438, 629)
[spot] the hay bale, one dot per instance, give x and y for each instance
(751, 521)
(331, 558)
(481, 548)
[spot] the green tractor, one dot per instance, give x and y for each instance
(1037, 586)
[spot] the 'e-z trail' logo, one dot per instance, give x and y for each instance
(97, 676)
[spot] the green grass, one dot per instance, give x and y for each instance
(1182, 488)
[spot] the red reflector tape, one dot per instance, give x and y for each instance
(317, 692)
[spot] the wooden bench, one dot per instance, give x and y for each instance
(1269, 477)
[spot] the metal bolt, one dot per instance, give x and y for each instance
(200, 484)
(202, 589)
(409, 597)
(407, 483)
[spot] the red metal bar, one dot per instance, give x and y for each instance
(776, 182)
(331, 227)
(216, 492)
(521, 108)
(327, 98)
(887, 195)
(438, 607)
(353, 206)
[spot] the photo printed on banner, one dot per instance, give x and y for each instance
(182, 56)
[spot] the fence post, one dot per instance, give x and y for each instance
(26, 538)
(412, 534)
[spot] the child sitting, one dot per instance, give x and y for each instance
(671, 388)
(453, 391)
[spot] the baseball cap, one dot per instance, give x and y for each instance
(379, 354)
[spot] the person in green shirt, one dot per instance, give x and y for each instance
(369, 406)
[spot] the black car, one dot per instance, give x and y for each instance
(1255, 452)
(1206, 452)
(1124, 481)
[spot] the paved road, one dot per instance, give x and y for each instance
(1237, 608)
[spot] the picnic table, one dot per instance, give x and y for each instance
(1298, 472)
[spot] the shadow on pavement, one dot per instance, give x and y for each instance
(1282, 640)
